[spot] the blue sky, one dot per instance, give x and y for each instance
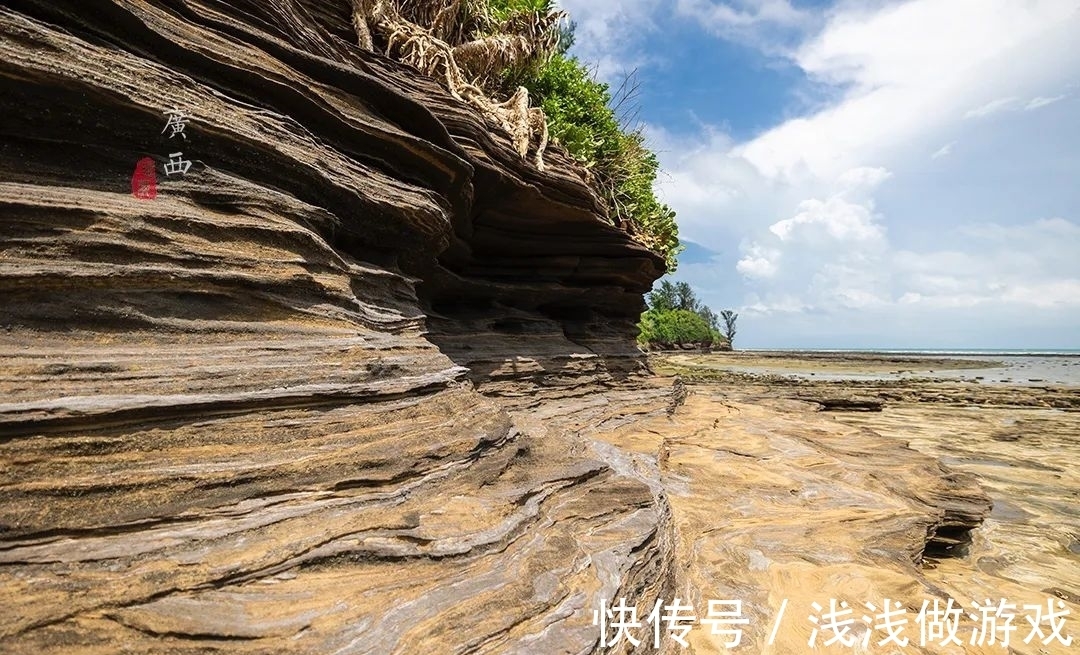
(881, 173)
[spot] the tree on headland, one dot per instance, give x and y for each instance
(729, 324)
(676, 317)
(673, 295)
(710, 317)
(685, 298)
(662, 298)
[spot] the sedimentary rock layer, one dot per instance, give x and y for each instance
(779, 506)
(348, 383)
(239, 412)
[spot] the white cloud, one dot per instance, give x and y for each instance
(907, 70)
(864, 177)
(831, 219)
(1058, 229)
(1011, 104)
(746, 12)
(1030, 264)
(943, 151)
(917, 43)
(777, 304)
(1042, 101)
(709, 186)
(992, 107)
(607, 33)
(1052, 293)
(1021, 266)
(758, 262)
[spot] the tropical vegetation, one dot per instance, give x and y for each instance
(498, 55)
(675, 316)
(729, 317)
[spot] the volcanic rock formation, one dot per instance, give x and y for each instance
(332, 388)
(225, 418)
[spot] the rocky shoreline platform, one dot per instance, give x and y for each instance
(1016, 449)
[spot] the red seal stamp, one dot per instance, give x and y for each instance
(144, 180)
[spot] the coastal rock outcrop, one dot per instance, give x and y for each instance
(779, 506)
(239, 403)
(337, 371)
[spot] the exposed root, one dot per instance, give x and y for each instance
(465, 67)
(538, 124)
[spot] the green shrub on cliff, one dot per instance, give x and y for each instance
(580, 117)
(489, 53)
(503, 10)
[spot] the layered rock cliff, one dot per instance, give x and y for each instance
(242, 414)
(336, 386)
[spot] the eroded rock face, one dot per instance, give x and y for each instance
(779, 506)
(239, 406)
(361, 380)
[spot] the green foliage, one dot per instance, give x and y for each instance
(711, 318)
(674, 295)
(675, 326)
(503, 10)
(504, 14)
(577, 109)
(677, 316)
(663, 298)
(581, 118)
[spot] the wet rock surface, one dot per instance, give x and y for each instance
(777, 500)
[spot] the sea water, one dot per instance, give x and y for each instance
(1018, 367)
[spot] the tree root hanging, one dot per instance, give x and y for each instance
(417, 46)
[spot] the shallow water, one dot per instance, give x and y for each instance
(1023, 370)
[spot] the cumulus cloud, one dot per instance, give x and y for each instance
(758, 262)
(833, 219)
(828, 254)
(906, 69)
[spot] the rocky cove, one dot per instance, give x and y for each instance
(364, 380)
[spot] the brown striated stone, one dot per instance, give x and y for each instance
(362, 380)
(241, 414)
